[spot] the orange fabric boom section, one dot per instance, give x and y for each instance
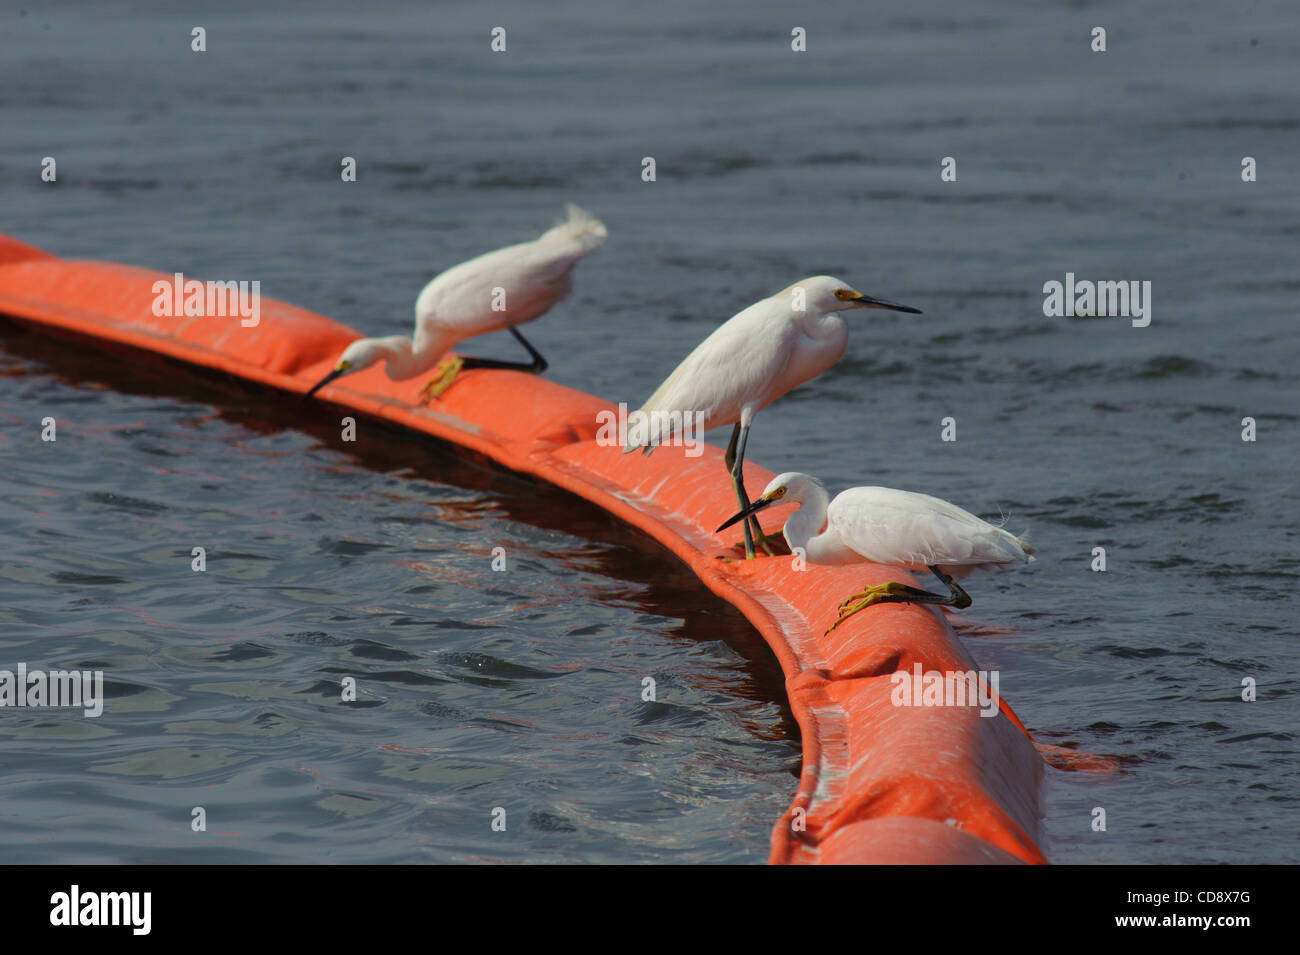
(880, 783)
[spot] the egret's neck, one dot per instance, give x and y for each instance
(829, 327)
(406, 359)
(803, 526)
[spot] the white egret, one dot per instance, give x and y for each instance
(881, 525)
(753, 358)
(496, 290)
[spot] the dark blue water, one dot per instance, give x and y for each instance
(521, 689)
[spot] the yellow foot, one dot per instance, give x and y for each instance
(864, 599)
(443, 373)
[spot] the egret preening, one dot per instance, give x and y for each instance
(753, 358)
(496, 290)
(881, 525)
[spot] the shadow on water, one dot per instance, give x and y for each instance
(664, 586)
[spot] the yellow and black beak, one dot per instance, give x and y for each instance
(753, 508)
(341, 369)
(866, 301)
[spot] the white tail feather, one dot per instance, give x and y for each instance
(1023, 540)
(580, 228)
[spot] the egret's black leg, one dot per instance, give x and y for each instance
(536, 366)
(753, 530)
(956, 596)
(729, 459)
(736, 466)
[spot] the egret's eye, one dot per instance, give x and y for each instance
(843, 294)
(779, 492)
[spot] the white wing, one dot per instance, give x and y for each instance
(534, 275)
(735, 366)
(907, 529)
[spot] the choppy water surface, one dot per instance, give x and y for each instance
(521, 689)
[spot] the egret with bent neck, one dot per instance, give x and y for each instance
(882, 525)
(495, 291)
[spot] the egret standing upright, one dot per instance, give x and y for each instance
(753, 358)
(887, 526)
(496, 290)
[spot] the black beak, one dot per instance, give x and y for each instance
(323, 382)
(753, 508)
(867, 301)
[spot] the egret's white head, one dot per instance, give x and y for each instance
(363, 353)
(792, 487)
(824, 293)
